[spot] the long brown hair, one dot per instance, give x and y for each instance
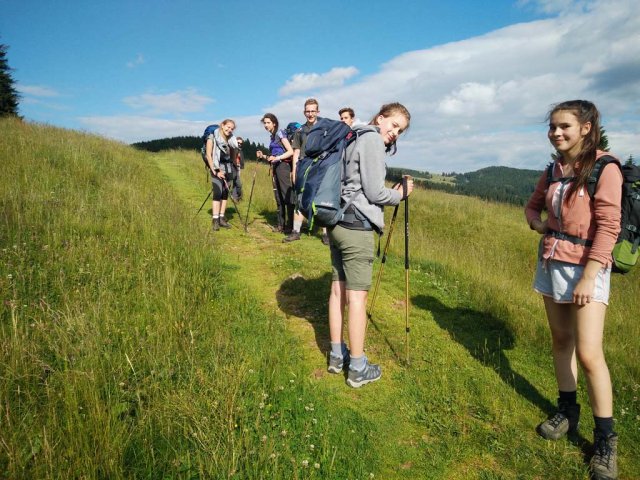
(585, 112)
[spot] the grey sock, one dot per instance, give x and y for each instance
(336, 349)
(358, 363)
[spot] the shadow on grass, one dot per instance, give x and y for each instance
(486, 338)
(308, 298)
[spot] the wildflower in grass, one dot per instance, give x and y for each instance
(312, 446)
(305, 463)
(264, 438)
(314, 421)
(261, 406)
(283, 433)
(316, 465)
(272, 456)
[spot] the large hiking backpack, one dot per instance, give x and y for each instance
(320, 173)
(625, 252)
(207, 131)
(291, 130)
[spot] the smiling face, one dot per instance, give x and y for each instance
(228, 128)
(391, 127)
(311, 113)
(566, 133)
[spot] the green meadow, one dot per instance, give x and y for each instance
(137, 343)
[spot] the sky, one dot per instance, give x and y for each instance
(477, 77)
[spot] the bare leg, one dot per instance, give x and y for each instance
(589, 334)
(357, 300)
(337, 300)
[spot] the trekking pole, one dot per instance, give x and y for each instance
(226, 185)
(383, 261)
(405, 181)
(203, 203)
(246, 220)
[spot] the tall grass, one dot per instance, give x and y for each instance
(136, 344)
(127, 349)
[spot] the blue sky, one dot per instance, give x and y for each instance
(478, 77)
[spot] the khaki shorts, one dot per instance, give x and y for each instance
(352, 257)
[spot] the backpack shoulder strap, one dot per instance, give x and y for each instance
(598, 167)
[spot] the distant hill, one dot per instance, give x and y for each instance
(502, 184)
(249, 148)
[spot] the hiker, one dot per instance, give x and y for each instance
(352, 240)
(347, 115)
(311, 111)
(280, 160)
(217, 155)
(573, 272)
(238, 166)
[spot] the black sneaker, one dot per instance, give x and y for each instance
(604, 463)
(292, 237)
(564, 421)
(215, 224)
(325, 239)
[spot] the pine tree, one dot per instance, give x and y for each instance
(630, 160)
(8, 94)
(604, 141)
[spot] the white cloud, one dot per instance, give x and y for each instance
(37, 90)
(302, 82)
(483, 101)
(138, 61)
(180, 102)
(474, 103)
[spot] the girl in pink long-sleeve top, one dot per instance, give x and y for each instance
(573, 273)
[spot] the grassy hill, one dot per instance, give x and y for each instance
(135, 343)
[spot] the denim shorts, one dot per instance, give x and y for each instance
(558, 279)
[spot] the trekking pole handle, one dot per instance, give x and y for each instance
(405, 186)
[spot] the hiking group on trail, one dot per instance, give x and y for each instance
(332, 173)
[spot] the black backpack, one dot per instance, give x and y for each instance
(625, 252)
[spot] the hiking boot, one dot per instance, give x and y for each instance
(604, 463)
(564, 421)
(325, 238)
(371, 373)
(277, 228)
(224, 223)
(292, 237)
(215, 225)
(338, 364)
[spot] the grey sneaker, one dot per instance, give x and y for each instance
(224, 223)
(215, 224)
(292, 237)
(371, 373)
(565, 420)
(604, 463)
(325, 239)
(338, 364)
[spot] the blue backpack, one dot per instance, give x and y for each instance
(320, 174)
(207, 131)
(291, 129)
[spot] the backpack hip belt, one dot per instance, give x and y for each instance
(570, 238)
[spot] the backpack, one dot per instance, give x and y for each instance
(625, 252)
(321, 172)
(207, 131)
(291, 130)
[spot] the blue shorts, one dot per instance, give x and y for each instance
(558, 280)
